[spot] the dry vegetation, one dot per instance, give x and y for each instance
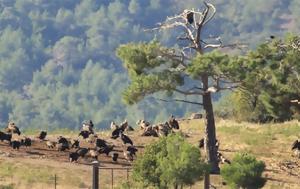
(35, 167)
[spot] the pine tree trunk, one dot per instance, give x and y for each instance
(210, 134)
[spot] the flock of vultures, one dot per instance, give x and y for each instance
(12, 136)
(75, 146)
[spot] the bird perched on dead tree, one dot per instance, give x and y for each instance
(190, 17)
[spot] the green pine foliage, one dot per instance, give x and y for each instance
(269, 82)
(169, 163)
(244, 172)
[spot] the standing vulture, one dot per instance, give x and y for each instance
(126, 139)
(42, 135)
(115, 157)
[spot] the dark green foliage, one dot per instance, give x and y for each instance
(169, 162)
(58, 64)
(269, 82)
(244, 172)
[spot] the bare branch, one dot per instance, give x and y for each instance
(228, 88)
(179, 100)
(210, 6)
(188, 92)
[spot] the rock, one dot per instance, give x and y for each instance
(196, 116)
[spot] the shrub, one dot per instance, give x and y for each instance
(169, 162)
(244, 172)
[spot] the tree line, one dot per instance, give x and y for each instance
(58, 64)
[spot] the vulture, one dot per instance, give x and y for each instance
(296, 145)
(201, 143)
(91, 123)
(4, 136)
(15, 144)
(151, 132)
(42, 135)
(126, 139)
(222, 159)
(128, 156)
(124, 125)
(62, 146)
(73, 156)
(74, 143)
(26, 142)
(190, 17)
(100, 143)
(116, 133)
(84, 134)
(50, 144)
(82, 151)
(114, 157)
(62, 140)
(106, 150)
(173, 123)
(132, 150)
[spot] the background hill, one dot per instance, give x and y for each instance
(58, 64)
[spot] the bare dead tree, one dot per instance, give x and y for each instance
(193, 22)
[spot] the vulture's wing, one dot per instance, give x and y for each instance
(295, 144)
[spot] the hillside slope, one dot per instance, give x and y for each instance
(35, 167)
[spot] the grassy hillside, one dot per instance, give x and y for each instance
(270, 143)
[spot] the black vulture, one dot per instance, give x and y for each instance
(82, 151)
(150, 132)
(106, 150)
(62, 146)
(116, 133)
(190, 17)
(296, 145)
(26, 142)
(73, 156)
(128, 156)
(115, 157)
(17, 130)
(100, 143)
(85, 134)
(126, 139)
(173, 122)
(42, 135)
(15, 144)
(62, 140)
(132, 150)
(201, 143)
(124, 125)
(4, 136)
(91, 123)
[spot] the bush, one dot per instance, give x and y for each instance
(169, 162)
(244, 172)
